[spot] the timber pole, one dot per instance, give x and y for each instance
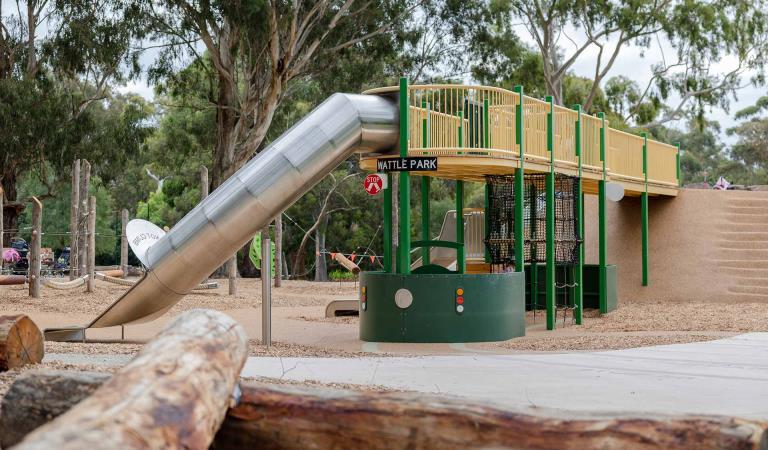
(297, 417)
(159, 399)
(124, 243)
(34, 248)
(82, 233)
(91, 254)
(204, 187)
(232, 274)
(74, 213)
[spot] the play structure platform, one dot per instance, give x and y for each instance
(537, 161)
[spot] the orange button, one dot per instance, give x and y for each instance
(459, 291)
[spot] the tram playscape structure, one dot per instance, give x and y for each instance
(537, 161)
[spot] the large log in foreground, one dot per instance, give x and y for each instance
(21, 342)
(287, 417)
(173, 394)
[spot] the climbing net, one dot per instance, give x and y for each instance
(500, 235)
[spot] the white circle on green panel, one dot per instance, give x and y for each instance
(403, 298)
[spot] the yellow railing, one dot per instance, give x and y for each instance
(457, 120)
(662, 162)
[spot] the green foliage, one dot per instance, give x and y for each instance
(341, 275)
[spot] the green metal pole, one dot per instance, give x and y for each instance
(679, 178)
(388, 225)
(404, 247)
(461, 131)
(425, 125)
(425, 218)
(579, 198)
(460, 260)
(520, 185)
(550, 232)
(602, 240)
(644, 213)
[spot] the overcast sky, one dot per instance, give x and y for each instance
(632, 62)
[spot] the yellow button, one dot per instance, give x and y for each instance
(459, 291)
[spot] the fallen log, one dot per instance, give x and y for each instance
(290, 417)
(21, 342)
(347, 263)
(10, 280)
(173, 394)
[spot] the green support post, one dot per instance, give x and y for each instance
(460, 260)
(404, 247)
(425, 126)
(520, 185)
(388, 225)
(644, 213)
(601, 223)
(461, 130)
(425, 218)
(679, 178)
(578, 306)
(550, 231)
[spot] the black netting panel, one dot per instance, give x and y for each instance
(500, 239)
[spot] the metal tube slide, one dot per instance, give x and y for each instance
(251, 198)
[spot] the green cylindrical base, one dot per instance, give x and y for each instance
(493, 307)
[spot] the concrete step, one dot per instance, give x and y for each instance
(742, 227)
(744, 272)
(733, 297)
(747, 281)
(747, 209)
(746, 201)
(743, 254)
(757, 290)
(752, 236)
(746, 244)
(742, 264)
(747, 218)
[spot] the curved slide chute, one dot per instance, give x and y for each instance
(251, 198)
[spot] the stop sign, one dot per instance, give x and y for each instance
(374, 183)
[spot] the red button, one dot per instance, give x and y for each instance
(459, 300)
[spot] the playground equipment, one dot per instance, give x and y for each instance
(461, 133)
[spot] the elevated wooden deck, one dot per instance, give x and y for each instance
(476, 131)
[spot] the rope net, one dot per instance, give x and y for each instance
(500, 236)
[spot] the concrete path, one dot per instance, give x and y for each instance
(725, 377)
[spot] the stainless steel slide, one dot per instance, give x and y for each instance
(224, 221)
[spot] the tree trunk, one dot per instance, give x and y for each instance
(2, 230)
(91, 260)
(74, 215)
(33, 257)
(82, 231)
(174, 394)
(232, 274)
(272, 417)
(20, 342)
(12, 209)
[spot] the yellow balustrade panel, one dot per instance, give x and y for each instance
(662, 163)
(565, 134)
(535, 127)
(590, 141)
(625, 154)
(458, 120)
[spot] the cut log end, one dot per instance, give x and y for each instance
(21, 342)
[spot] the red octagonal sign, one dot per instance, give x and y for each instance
(374, 183)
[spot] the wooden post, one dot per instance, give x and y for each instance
(74, 215)
(159, 399)
(204, 186)
(91, 266)
(82, 233)
(298, 417)
(34, 248)
(21, 342)
(232, 272)
(124, 243)
(278, 249)
(2, 242)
